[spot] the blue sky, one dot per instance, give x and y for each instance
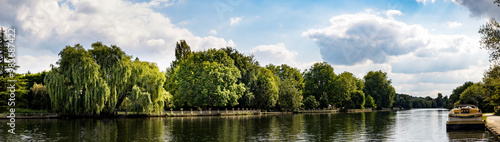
(425, 46)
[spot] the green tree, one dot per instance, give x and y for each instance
(207, 79)
(319, 82)
(290, 86)
(115, 68)
(147, 87)
(248, 69)
(5, 69)
(439, 100)
(98, 80)
(475, 95)
(289, 95)
(40, 99)
(490, 38)
(76, 86)
(357, 100)
(266, 92)
(182, 51)
(345, 85)
(491, 86)
(378, 86)
(310, 102)
(369, 102)
(455, 95)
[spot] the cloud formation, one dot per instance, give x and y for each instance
(235, 20)
(134, 27)
(481, 8)
(453, 24)
(276, 54)
(354, 38)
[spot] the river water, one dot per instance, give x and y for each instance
(411, 125)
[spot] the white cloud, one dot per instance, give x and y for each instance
(235, 20)
(160, 3)
(36, 64)
(392, 13)
(213, 32)
(134, 27)
(453, 24)
(418, 62)
(354, 38)
(155, 42)
(276, 54)
(425, 1)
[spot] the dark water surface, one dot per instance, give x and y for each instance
(412, 125)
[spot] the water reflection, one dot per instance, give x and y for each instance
(413, 125)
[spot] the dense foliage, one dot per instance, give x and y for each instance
(104, 78)
(378, 85)
(98, 80)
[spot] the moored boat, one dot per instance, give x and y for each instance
(465, 117)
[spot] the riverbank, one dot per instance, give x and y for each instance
(493, 124)
(188, 113)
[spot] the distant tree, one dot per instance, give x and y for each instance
(439, 100)
(378, 86)
(319, 82)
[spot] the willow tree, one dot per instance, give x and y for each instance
(98, 80)
(76, 86)
(115, 68)
(148, 93)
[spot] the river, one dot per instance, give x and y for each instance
(410, 125)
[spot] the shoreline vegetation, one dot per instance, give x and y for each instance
(189, 113)
(100, 80)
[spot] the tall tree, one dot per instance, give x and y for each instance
(115, 68)
(98, 80)
(248, 68)
(207, 79)
(378, 85)
(266, 91)
(319, 81)
(439, 100)
(290, 86)
(76, 86)
(345, 85)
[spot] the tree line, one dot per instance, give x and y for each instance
(104, 78)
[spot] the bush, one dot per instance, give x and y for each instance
(310, 102)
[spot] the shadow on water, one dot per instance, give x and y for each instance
(412, 125)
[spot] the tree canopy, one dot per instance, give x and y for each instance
(378, 86)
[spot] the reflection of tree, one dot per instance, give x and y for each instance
(379, 124)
